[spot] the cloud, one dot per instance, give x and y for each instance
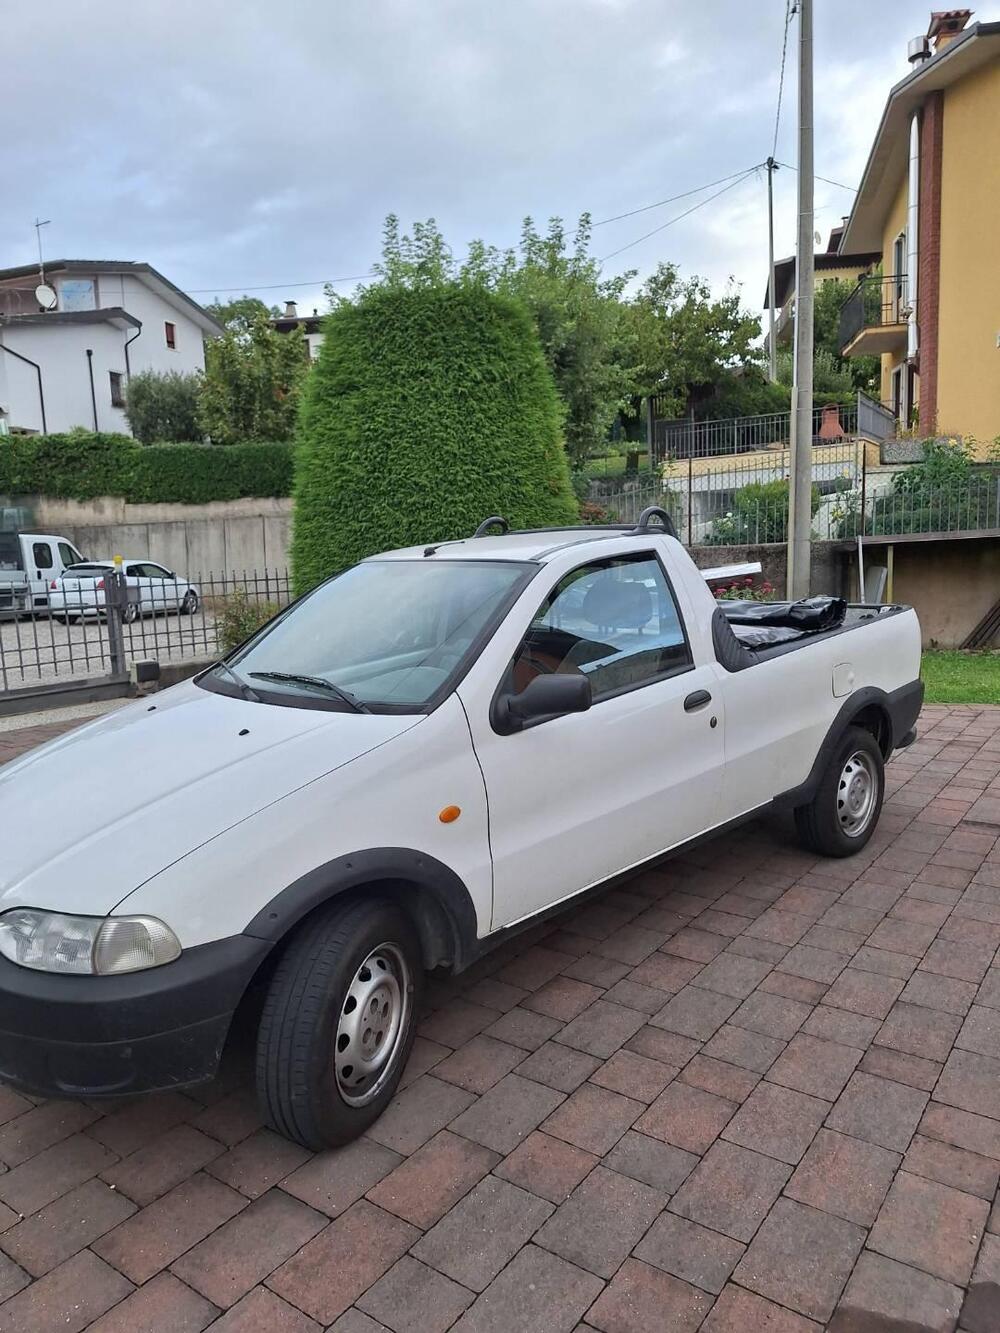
(243, 146)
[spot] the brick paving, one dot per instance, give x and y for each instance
(748, 1090)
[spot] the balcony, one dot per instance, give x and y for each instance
(873, 318)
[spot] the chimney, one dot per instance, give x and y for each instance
(918, 49)
(290, 311)
(945, 26)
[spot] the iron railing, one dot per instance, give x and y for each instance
(684, 437)
(876, 302)
(76, 637)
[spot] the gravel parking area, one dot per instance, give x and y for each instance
(44, 650)
(748, 1090)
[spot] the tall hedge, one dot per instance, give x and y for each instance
(429, 409)
(83, 464)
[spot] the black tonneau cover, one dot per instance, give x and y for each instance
(761, 624)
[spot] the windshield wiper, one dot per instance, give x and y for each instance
(317, 682)
(246, 690)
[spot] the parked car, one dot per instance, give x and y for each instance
(29, 562)
(422, 756)
(78, 594)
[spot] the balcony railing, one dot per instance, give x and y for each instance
(876, 303)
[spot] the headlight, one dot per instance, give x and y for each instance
(85, 945)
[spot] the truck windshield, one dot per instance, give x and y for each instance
(392, 633)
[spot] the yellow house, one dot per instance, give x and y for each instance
(830, 265)
(929, 203)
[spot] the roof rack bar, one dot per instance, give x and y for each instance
(492, 522)
(651, 512)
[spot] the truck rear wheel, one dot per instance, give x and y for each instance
(338, 1023)
(844, 812)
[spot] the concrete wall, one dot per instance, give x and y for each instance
(829, 571)
(952, 584)
(969, 310)
(195, 540)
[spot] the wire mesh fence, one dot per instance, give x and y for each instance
(166, 620)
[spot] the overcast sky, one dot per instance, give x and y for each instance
(262, 143)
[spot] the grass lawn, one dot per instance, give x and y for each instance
(961, 678)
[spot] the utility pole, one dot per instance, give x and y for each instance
(800, 487)
(772, 167)
(39, 224)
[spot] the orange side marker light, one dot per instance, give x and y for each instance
(449, 814)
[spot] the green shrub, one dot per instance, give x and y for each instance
(759, 514)
(163, 408)
(195, 474)
(238, 617)
(82, 465)
(430, 408)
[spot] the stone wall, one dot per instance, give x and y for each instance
(828, 564)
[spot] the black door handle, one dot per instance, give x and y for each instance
(697, 700)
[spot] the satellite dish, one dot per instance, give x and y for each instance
(46, 296)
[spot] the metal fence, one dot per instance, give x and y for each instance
(740, 503)
(746, 503)
(877, 302)
(685, 437)
(83, 634)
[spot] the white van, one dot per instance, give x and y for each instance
(29, 561)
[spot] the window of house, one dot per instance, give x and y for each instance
(117, 388)
(615, 621)
(171, 332)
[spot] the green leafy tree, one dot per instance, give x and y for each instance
(252, 381)
(690, 348)
(576, 312)
(163, 409)
(429, 408)
(240, 313)
(862, 372)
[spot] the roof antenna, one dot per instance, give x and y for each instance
(39, 224)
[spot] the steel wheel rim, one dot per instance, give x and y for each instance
(372, 1024)
(857, 793)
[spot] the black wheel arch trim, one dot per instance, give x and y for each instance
(899, 708)
(434, 895)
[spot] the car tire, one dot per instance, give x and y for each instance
(843, 814)
(130, 612)
(324, 1075)
(189, 603)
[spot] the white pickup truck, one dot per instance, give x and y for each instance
(421, 756)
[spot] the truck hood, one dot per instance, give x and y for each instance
(88, 818)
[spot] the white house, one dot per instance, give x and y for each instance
(69, 365)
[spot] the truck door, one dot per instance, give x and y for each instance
(575, 799)
(40, 567)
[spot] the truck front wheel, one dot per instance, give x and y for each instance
(844, 812)
(338, 1023)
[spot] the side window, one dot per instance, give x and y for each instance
(133, 571)
(41, 553)
(68, 556)
(615, 621)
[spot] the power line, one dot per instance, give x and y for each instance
(673, 198)
(851, 189)
(789, 9)
(687, 212)
(274, 286)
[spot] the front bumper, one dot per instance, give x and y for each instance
(111, 1036)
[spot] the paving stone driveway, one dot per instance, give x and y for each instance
(748, 1091)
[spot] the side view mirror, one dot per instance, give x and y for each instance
(545, 696)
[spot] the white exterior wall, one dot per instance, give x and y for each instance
(150, 350)
(61, 351)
